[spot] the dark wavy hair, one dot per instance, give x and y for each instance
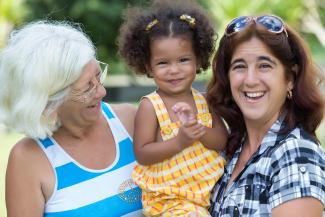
(305, 108)
(134, 40)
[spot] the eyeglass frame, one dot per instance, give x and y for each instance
(89, 93)
(255, 18)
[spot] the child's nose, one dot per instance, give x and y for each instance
(173, 68)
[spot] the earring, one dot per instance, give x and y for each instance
(289, 94)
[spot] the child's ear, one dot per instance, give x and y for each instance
(149, 71)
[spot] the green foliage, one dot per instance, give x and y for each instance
(100, 19)
(11, 10)
(11, 13)
(296, 13)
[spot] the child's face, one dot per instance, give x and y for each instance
(173, 64)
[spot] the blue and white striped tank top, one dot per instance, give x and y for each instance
(83, 192)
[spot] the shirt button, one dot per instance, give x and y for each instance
(302, 169)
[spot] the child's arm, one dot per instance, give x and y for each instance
(214, 138)
(146, 147)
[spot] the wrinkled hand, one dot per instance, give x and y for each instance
(190, 129)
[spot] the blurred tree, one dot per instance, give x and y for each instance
(12, 13)
(100, 19)
(306, 16)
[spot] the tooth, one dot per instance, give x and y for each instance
(255, 94)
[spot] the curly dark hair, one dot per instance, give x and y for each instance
(134, 40)
(305, 108)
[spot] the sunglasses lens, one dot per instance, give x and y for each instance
(237, 24)
(272, 23)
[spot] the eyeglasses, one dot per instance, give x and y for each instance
(272, 23)
(85, 96)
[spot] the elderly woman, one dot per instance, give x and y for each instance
(76, 159)
(265, 86)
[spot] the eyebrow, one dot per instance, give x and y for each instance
(237, 61)
(259, 58)
(266, 58)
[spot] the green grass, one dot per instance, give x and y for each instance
(7, 140)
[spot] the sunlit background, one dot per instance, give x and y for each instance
(101, 19)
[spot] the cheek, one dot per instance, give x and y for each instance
(233, 82)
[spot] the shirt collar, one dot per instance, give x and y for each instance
(268, 141)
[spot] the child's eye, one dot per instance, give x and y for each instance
(183, 60)
(162, 63)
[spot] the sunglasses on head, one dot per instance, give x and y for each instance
(272, 23)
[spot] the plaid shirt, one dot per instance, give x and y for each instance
(282, 169)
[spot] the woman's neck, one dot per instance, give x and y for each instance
(77, 131)
(257, 131)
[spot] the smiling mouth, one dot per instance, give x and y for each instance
(93, 106)
(175, 81)
(254, 95)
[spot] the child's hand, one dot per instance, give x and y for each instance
(190, 129)
(184, 112)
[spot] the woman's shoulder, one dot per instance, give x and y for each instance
(25, 147)
(126, 114)
(27, 155)
(299, 147)
(124, 109)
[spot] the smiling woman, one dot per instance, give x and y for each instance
(265, 86)
(258, 82)
(76, 158)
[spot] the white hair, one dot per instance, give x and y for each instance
(37, 67)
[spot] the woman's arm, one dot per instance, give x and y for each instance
(24, 195)
(147, 149)
(302, 207)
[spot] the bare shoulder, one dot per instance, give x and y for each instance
(26, 155)
(146, 115)
(29, 179)
(126, 113)
(25, 150)
(146, 104)
(146, 109)
(124, 110)
(26, 158)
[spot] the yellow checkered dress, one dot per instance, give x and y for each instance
(181, 185)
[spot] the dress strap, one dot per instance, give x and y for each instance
(160, 109)
(200, 102)
(204, 116)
